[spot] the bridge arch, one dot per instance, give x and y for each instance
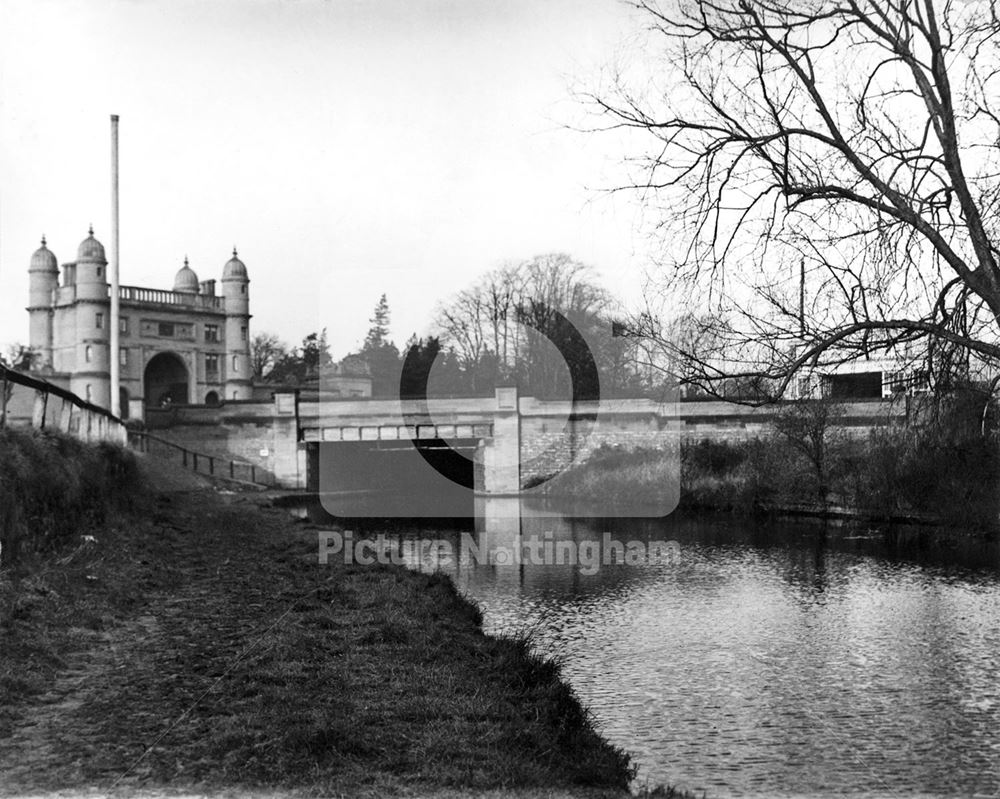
(166, 380)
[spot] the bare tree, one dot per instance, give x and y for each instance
(478, 324)
(19, 357)
(810, 427)
(824, 174)
(266, 349)
(513, 323)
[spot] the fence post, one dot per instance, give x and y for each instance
(3, 412)
(211, 465)
(184, 457)
(194, 455)
(232, 470)
(65, 416)
(38, 412)
(253, 473)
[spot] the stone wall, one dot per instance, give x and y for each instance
(549, 445)
(262, 433)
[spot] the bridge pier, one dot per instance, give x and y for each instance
(288, 458)
(501, 454)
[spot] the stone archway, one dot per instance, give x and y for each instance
(166, 381)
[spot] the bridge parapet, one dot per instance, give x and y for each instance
(396, 432)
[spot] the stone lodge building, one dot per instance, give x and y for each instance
(185, 346)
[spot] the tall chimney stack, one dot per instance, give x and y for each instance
(115, 354)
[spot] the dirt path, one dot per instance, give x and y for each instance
(242, 664)
(103, 710)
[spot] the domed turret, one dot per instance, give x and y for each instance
(43, 260)
(89, 272)
(235, 286)
(186, 280)
(235, 269)
(43, 279)
(91, 250)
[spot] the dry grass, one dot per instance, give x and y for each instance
(205, 648)
(618, 477)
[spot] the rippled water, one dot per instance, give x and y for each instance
(770, 660)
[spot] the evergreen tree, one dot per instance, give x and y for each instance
(381, 353)
(378, 333)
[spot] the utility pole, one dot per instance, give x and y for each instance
(115, 354)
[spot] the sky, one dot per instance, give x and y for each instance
(346, 148)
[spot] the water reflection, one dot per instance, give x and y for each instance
(784, 658)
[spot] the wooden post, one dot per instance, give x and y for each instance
(66, 416)
(211, 465)
(232, 469)
(38, 412)
(3, 413)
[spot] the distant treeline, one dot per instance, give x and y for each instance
(543, 324)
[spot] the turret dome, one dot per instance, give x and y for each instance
(43, 260)
(186, 280)
(91, 249)
(234, 269)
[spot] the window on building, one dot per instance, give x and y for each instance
(88, 353)
(211, 368)
(123, 325)
(895, 382)
(123, 356)
(166, 329)
(89, 393)
(236, 363)
(234, 395)
(243, 333)
(99, 321)
(211, 333)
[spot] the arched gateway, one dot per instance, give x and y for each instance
(166, 381)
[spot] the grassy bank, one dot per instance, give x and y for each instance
(54, 489)
(618, 477)
(202, 646)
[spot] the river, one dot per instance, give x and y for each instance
(750, 659)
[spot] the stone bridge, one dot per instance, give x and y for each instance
(509, 441)
(496, 445)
